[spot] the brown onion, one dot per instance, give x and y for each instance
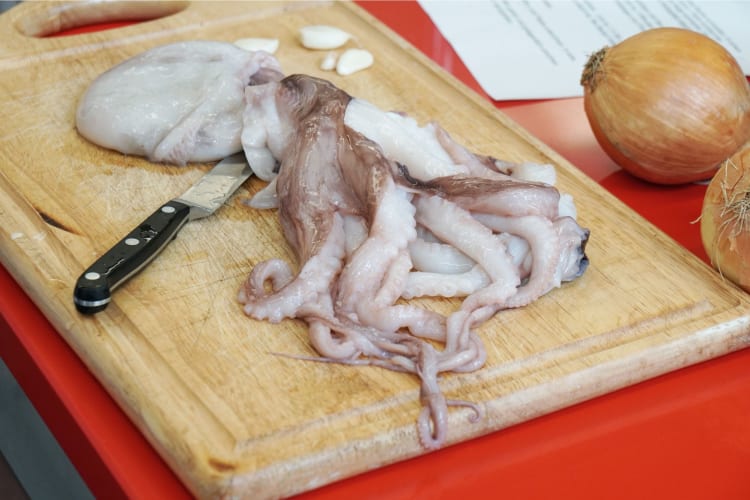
(668, 105)
(725, 219)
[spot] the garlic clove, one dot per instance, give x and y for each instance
(329, 62)
(323, 37)
(269, 45)
(353, 60)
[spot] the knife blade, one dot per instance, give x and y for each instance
(93, 290)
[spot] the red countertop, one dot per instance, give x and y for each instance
(682, 435)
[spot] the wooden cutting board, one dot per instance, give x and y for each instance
(199, 378)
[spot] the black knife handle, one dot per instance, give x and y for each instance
(93, 289)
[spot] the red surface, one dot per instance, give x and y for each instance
(683, 435)
(99, 27)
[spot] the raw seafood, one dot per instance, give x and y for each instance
(366, 198)
(175, 103)
(376, 208)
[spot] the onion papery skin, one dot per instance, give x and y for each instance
(725, 219)
(667, 105)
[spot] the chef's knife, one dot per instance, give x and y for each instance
(94, 288)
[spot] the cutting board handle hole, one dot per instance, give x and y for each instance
(74, 17)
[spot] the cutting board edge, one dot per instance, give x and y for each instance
(510, 410)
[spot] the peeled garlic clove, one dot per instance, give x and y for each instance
(353, 60)
(269, 45)
(329, 62)
(323, 37)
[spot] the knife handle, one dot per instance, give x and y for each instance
(93, 289)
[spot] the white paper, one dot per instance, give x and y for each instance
(537, 48)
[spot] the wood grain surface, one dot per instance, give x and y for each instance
(203, 382)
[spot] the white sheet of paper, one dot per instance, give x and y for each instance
(536, 49)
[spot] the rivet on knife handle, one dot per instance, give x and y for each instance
(94, 288)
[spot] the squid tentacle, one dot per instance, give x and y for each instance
(369, 231)
(315, 277)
